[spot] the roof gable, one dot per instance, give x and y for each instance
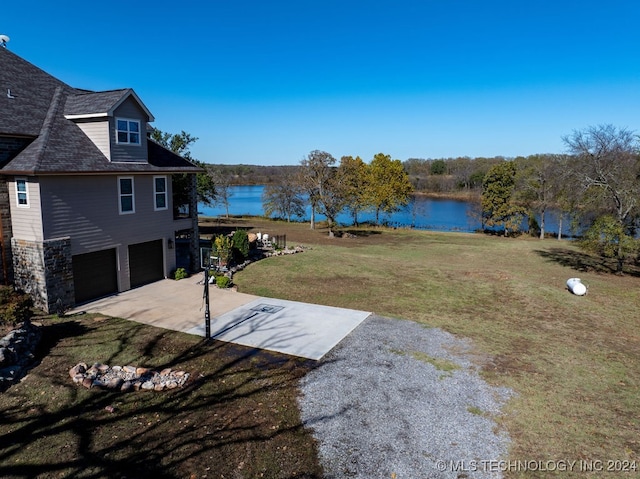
(100, 104)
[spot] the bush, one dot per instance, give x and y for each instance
(240, 245)
(15, 307)
(222, 248)
(180, 273)
(223, 282)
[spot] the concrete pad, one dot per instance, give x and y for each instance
(289, 327)
(169, 304)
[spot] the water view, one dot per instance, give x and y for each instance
(421, 213)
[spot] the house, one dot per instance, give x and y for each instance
(86, 207)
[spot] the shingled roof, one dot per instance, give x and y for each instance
(100, 103)
(39, 108)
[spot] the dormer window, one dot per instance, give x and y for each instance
(127, 131)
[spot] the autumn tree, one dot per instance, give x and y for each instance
(388, 185)
(498, 206)
(606, 164)
(354, 176)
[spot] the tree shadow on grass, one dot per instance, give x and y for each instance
(235, 417)
(584, 262)
(360, 233)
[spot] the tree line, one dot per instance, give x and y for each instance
(596, 183)
(381, 186)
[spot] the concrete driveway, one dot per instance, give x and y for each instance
(289, 327)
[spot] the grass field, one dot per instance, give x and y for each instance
(574, 362)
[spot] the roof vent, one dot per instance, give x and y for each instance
(4, 40)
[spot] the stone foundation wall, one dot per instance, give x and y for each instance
(43, 270)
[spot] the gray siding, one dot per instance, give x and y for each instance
(86, 209)
(98, 132)
(26, 223)
(132, 111)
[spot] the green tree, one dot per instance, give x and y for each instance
(180, 144)
(606, 163)
(354, 175)
(240, 246)
(283, 199)
(388, 185)
(607, 237)
(498, 207)
(438, 167)
(537, 185)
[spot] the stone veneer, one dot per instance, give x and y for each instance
(43, 270)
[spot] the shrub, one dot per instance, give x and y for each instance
(222, 248)
(15, 307)
(240, 245)
(180, 273)
(223, 282)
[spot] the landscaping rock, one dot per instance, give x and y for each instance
(16, 352)
(127, 378)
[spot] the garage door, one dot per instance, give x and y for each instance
(145, 262)
(94, 275)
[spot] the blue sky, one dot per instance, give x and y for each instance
(266, 82)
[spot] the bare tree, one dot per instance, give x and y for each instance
(607, 166)
(315, 174)
(284, 198)
(221, 178)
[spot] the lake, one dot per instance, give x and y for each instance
(426, 213)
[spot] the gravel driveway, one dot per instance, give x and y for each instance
(397, 399)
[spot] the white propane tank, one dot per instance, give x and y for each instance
(576, 287)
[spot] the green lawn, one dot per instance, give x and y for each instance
(573, 361)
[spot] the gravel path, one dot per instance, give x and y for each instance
(379, 408)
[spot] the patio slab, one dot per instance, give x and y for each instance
(289, 327)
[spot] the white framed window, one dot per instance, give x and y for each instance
(126, 195)
(127, 131)
(160, 193)
(22, 193)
